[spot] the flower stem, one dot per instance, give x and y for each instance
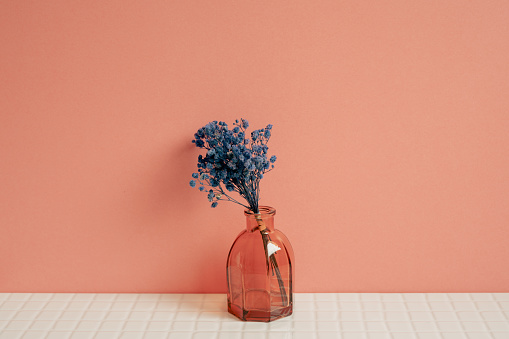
(273, 262)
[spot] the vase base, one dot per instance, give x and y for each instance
(258, 315)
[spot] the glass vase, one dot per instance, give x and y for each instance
(260, 270)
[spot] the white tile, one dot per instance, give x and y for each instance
(34, 305)
(49, 315)
(478, 335)
(320, 316)
(355, 297)
(482, 296)
(304, 297)
(19, 296)
(18, 325)
(331, 316)
(134, 326)
(469, 316)
(474, 326)
(107, 335)
(399, 326)
(155, 335)
(352, 326)
(158, 326)
(87, 325)
(397, 316)
(280, 326)
(392, 297)
(488, 305)
(354, 316)
(162, 315)
(26, 315)
(440, 306)
(500, 335)
(372, 306)
(94, 315)
(140, 316)
(453, 335)
(304, 326)
(418, 306)
(279, 335)
(71, 315)
(464, 306)
(437, 297)
(445, 316)
(300, 335)
(329, 335)
(183, 326)
(11, 305)
(132, 335)
(449, 326)
(501, 296)
(349, 306)
(394, 306)
(186, 316)
(327, 326)
(116, 315)
(425, 326)
(326, 306)
(421, 316)
(256, 326)
(378, 326)
(111, 325)
(7, 315)
(354, 335)
(208, 326)
(230, 335)
(65, 325)
(235, 326)
(33, 335)
(82, 335)
(205, 335)
(379, 335)
(59, 335)
(332, 297)
(493, 316)
(11, 334)
(42, 325)
(415, 297)
(374, 316)
(429, 336)
(498, 326)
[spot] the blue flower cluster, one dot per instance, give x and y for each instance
(232, 160)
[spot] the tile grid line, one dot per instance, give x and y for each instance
(412, 325)
(35, 317)
(478, 311)
(112, 302)
(130, 312)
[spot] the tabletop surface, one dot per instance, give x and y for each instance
(204, 316)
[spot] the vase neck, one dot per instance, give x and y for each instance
(260, 221)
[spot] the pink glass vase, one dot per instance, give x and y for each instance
(260, 270)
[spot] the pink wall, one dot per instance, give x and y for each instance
(391, 126)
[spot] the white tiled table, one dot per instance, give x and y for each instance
(204, 316)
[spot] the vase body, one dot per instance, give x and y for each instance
(259, 270)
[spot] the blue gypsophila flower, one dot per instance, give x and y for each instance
(232, 162)
(214, 204)
(273, 159)
(192, 183)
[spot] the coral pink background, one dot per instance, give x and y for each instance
(391, 126)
